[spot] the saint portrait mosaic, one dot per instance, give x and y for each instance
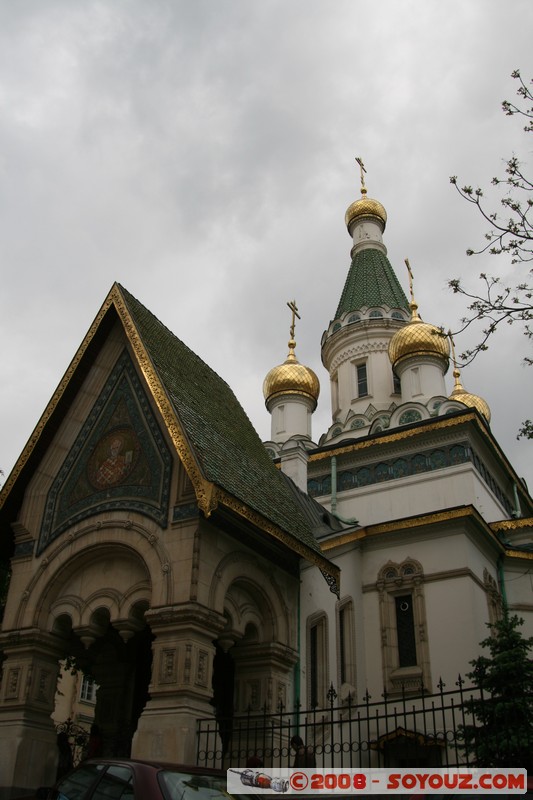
(119, 460)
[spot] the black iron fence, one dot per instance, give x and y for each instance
(400, 730)
(78, 738)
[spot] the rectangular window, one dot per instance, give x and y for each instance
(88, 690)
(405, 627)
(342, 643)
(313, 678)
(335, 395)
(362, 381)
(316, 662)
(415, 381)
(397, 384)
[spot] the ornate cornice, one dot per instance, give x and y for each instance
(466, 512)
(519, 554)
(399, 435)
(356, 350)
(512, 524)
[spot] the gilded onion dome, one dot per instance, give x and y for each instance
(418, 338)
(365, 207)
(291, 377)
(461, 395)
(470, 400)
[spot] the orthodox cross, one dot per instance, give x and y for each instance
(363, 170)
(294, 309)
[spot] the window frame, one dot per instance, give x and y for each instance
(317, 660)
(399, 580)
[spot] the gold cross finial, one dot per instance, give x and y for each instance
(410, 272)
(363, 170)
(293, 307)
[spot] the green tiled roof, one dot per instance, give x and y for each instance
(222, 438)
(371, 282)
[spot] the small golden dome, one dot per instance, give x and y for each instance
(418, 338)
(365, 207)
(291, 377)
(467, 399)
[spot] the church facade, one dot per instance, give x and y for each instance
(191, 570)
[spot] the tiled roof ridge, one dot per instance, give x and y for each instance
(224, 441)
(131, 299)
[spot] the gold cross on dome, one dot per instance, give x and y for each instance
(293, 307)
(410, 271)
(363, 170)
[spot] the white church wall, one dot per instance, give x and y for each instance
(518, 582)
(291, 415)
(419, 494)
(454, 599)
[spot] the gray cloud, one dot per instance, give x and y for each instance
(202, 154)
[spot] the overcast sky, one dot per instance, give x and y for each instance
(201, 153)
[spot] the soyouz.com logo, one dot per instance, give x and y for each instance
(349, 782)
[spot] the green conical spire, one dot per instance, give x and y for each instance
(371, 282)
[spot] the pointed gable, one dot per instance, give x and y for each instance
(216, 442)
(119, 460)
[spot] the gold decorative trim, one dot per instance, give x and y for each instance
(406, 524)
(205, 491)
(56, 397)
(519, 554)
(401, 435)
(512, 524)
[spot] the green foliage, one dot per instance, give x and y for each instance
(501, 731)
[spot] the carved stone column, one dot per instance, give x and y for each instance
(180, 689)
(28, 748)
(263, 675)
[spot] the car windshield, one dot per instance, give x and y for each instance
(183, 786)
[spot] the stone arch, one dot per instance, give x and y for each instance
(87, 599)
(407, 413)
(261, 602)
(79, 554)
(257, 637)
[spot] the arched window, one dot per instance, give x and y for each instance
(405, 649)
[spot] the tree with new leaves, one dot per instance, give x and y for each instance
(501, 731)
(510, 232)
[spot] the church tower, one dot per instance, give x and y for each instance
(419, 354)
(291, 394)
(371, 309)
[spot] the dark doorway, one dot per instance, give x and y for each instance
(223, 692)
(122, 672)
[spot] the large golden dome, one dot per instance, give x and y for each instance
(418, 338)
(291, 377)
(365, 207)
(470, 400)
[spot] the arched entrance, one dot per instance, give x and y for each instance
(119, 663)
(254, 660)
(94, 604)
